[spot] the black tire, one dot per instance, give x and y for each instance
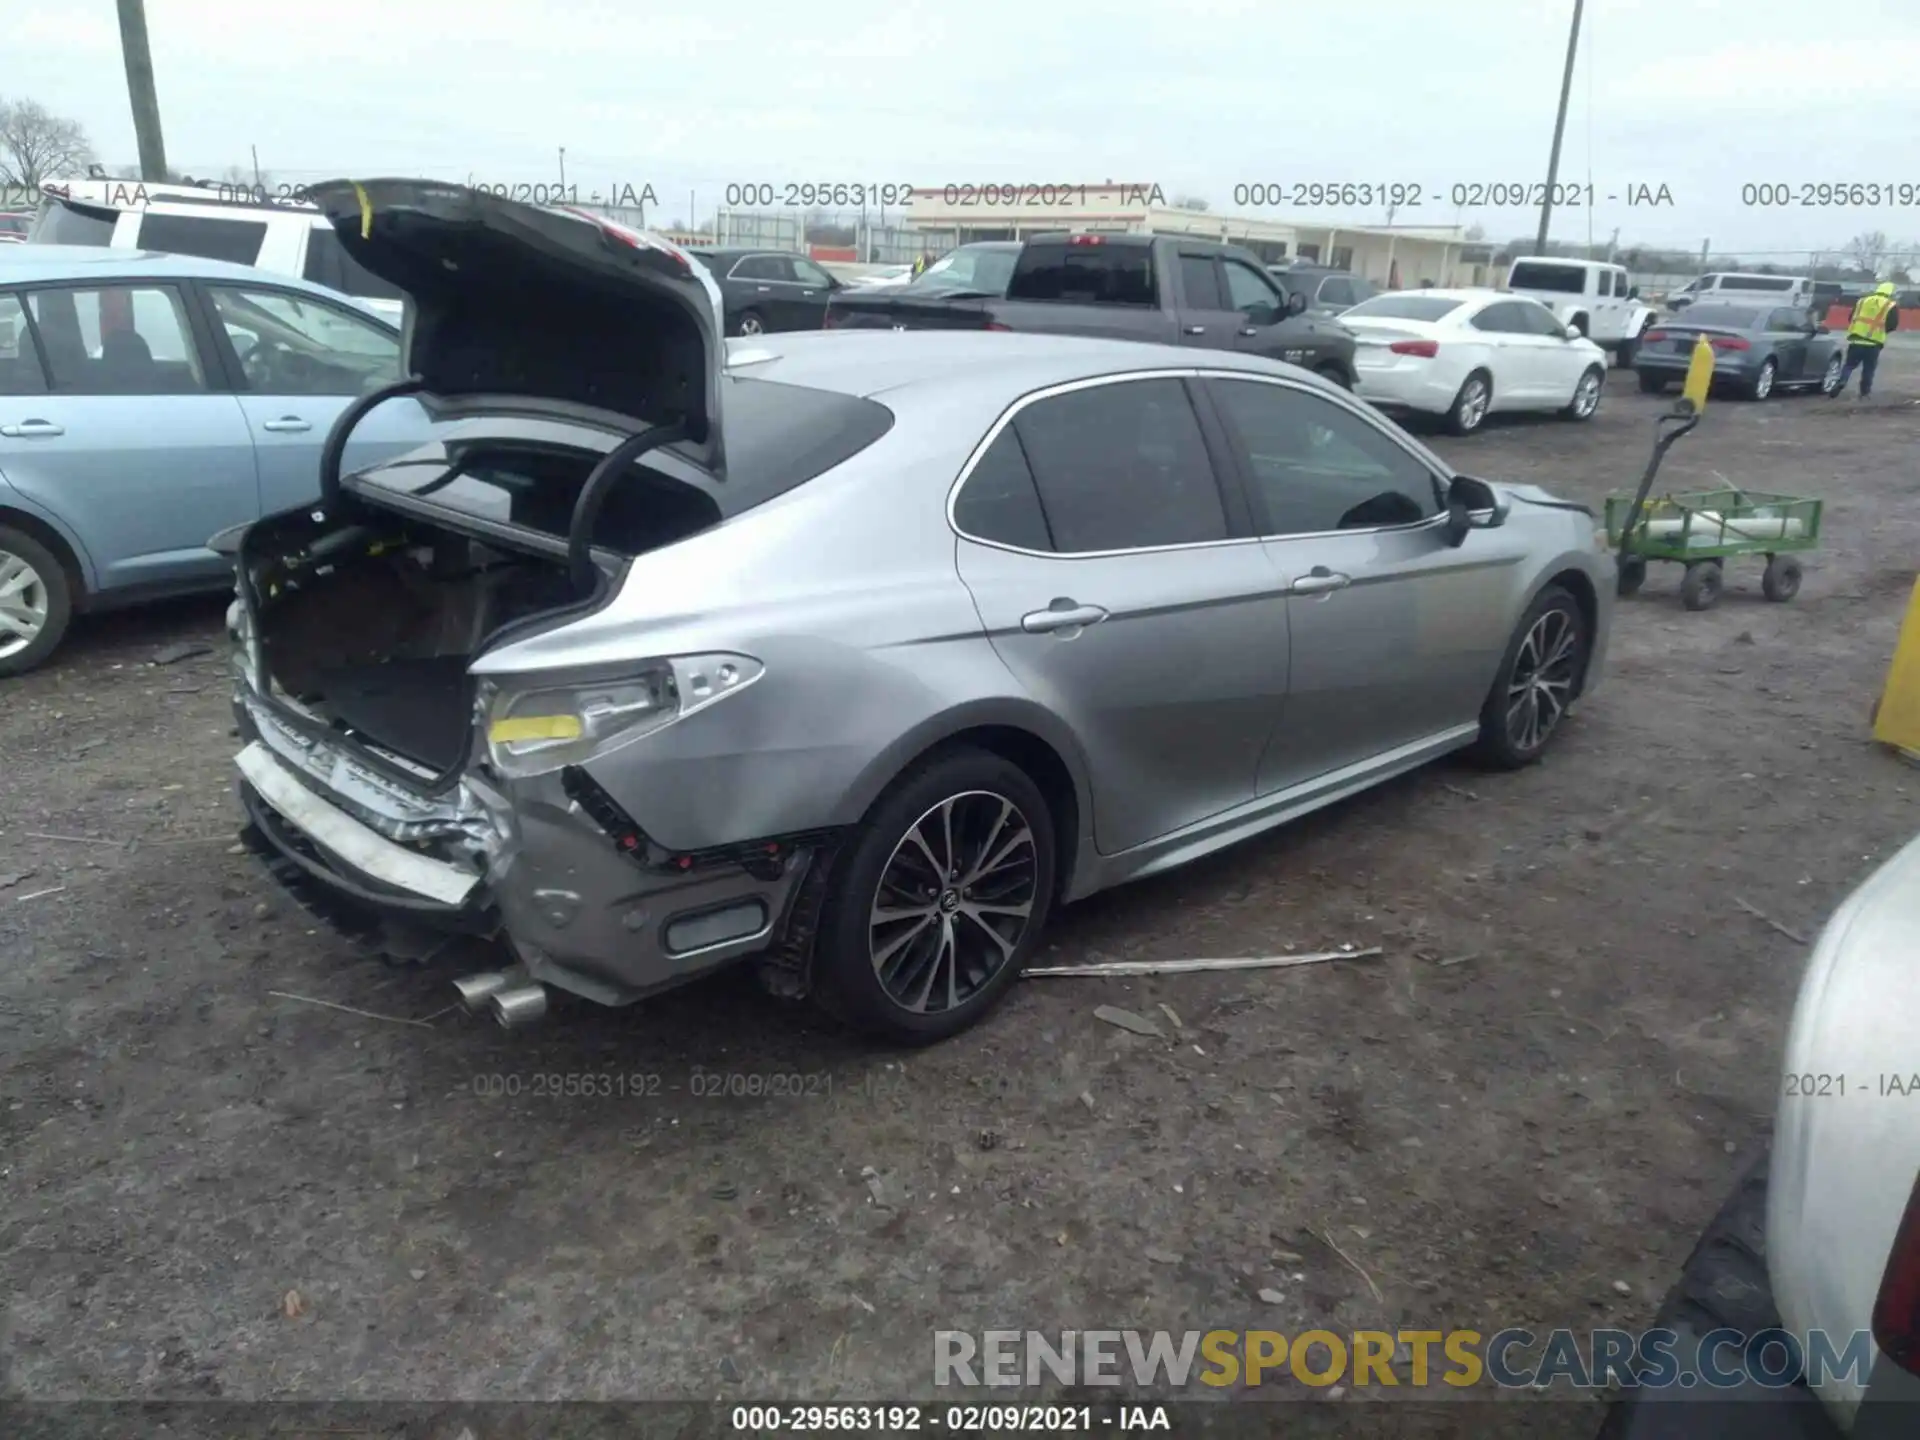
(1503, 743)
(1652, 384)
(1761, 387)
(1700, 586)
(1335, 373)
(847, 981)
(1469, 409)
(1781, 582)
(1572, 410)
(51, 586)
(1628, 352)
(1633, 574)
(751, 322)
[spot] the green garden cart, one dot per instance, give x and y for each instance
(1704, 529)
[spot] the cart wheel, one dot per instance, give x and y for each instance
(1701, 585)
(1633, 574)
(1782, 580)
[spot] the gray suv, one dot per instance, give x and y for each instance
(851, 655)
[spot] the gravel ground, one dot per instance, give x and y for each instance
(1527, 1106)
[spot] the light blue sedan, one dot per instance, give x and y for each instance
(148, 402)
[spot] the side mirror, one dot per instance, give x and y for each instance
(1296, 303)
(1472, 505)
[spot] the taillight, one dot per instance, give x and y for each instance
(1729, 342)
(1425, 349)
(1896, 1311)
(1086, 240)
(1654, 335)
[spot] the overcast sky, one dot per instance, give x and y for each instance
(1701, 96)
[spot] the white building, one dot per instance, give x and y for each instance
(1403, 255)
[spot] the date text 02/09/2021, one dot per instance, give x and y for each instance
(623, 194)
(1468, 194)
(904, 1418)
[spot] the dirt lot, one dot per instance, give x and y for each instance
(1544, 1087)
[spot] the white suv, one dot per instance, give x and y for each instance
(1591, 296)
(285, 237)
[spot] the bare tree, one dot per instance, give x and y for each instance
(1867, 248)
(36, 145)
(1190, 202)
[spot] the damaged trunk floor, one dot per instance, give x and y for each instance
(1533, 1099)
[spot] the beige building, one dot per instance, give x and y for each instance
(1402, 255)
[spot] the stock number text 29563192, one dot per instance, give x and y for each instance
(840, 194)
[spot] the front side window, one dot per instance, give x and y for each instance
(1249, 290)
(1122, 466)
(1503, 318)
(1317, 468)
(1338, 290)
(1537, 319)
(295, 345)
(808, 273)
(117, 340)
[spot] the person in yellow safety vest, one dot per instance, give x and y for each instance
(1873, 317)
(920, 265)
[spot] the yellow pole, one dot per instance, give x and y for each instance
(1699, 373)
(1896, 719)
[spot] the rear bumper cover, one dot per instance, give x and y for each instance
(526, 862)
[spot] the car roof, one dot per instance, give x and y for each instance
(30, 263)
(1466, 295)
(873, 363)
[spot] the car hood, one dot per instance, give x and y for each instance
(1844, 1160)
(515, 303)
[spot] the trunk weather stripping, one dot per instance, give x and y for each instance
(334, 451)
(593, 494)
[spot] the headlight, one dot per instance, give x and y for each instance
(530, 732)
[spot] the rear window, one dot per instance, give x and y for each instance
(778, 437)
(1097, 274)
(1540, 275)
(329, 264)
(237, 241)
(61, 222)
(971, 267)
(1733, 317)
(1403, 307)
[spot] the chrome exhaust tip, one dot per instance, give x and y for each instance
(520, 1005)
(476, 990)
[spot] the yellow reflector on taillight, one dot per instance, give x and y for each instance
(534, 727)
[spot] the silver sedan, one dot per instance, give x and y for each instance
(849, 655)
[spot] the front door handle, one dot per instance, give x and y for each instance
(1062, 615)
(1196, 330)
(27, 429)
(765, 288)
(286, 425)
(1250, 330)
(1320, 580)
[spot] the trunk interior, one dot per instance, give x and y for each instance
(375, 638)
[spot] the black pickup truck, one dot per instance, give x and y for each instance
(1168, 289)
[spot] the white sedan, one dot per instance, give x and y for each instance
(1464, 354)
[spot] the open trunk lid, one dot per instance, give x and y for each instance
(512, 304)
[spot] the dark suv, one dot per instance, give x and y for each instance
(769, 290)
(1327, 291)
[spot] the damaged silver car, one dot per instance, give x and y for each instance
(851, 655)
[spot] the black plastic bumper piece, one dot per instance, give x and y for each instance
(763, 859)
(342, 897)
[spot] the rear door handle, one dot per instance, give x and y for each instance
(286, 424)
(1196, 330)
(1250, 330)
(1320, 580)
(27, 429)
(1061, 615)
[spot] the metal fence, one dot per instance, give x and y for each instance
(871, 241)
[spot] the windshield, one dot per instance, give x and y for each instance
(1733, 317)
(968, 268)
(1539, 275)
(1402, 307)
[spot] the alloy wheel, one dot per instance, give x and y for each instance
(1763, 382)
(954, 901)
(1541, 686)
(23, 604)
(1473, 403)
(1830, 377)
(750, 325)
(1586, 396)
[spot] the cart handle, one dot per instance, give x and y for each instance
(1683, 417)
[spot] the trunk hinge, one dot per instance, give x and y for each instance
(593, 494)
(334, 451)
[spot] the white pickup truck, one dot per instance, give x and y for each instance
(1591, 296)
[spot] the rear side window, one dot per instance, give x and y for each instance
(237, 241)
(1338, 290)
(1095, 274)
(1540, 275)
(1122, 466)
(20, 372)
(999, 501)
(117, 340)
(329, 264)
(1755, 282)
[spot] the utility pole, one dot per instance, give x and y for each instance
(146, 105)
(259, 188)
(1559, 128)
(563, 169)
